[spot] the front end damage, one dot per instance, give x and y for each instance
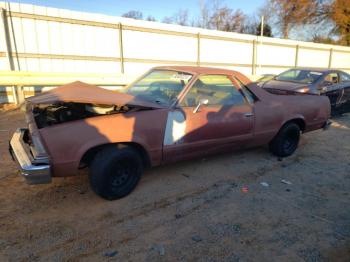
(72, 102)
(52, 114)
(34, 168)
(26, 146)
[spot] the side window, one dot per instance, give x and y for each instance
(247, 93)
(344, 77)
(332, 78)
(218, 89)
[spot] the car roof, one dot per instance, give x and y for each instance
(207, 70)
(320, 70)
(199, 69)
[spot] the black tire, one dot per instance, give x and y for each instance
(337, 112)
(115, 171)
(286, 141)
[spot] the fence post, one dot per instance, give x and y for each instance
(20, 95)
(8, 48)
(121, 49)
(296, 56)
(254, 58)
(7, 39)
(198, 49)
(330, 58)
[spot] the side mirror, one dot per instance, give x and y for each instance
(201, 102)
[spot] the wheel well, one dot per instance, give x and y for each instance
(300, 122)
(91, 153)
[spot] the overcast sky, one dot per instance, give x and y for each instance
(156, 8)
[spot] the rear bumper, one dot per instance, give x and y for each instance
(33, 173)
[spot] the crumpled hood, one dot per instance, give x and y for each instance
(80, 92)
(283, 85)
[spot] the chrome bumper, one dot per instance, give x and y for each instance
(19, 149)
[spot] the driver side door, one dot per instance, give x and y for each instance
(330, 87)
(224, 123)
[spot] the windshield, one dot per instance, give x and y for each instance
(160, 86)
(299, 76)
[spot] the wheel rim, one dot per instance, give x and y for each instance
(122, 174)
(291, 141)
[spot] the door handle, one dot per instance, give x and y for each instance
(248, 114)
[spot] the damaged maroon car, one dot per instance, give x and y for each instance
(169, 114)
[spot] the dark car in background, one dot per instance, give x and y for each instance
(332, 83)
(265, 78)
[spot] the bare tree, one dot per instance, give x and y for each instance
(226, 19)
(238, 20)
(250, 24)
(290, 13)
(133, 14)
(266, 11)
(168, 20)
(206, 10)
(179, 18)
(204, 16)
(323, 39)
(151, 18)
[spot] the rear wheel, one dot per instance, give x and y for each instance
(115, 171)
(286, 141)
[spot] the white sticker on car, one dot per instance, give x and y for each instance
(184, 77)
(175, 128)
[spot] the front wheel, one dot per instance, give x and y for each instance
(286, 141)
(115, 171)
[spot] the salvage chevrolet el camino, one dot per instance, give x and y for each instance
(169, 114)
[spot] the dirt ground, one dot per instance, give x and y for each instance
(214, 209)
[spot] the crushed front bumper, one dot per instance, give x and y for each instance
(20, 151)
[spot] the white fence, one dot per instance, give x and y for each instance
(41, 39)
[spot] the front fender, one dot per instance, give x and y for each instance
(297, 118)
(67, 143)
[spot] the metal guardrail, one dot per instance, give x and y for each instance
(10, 78)
(18, 80)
